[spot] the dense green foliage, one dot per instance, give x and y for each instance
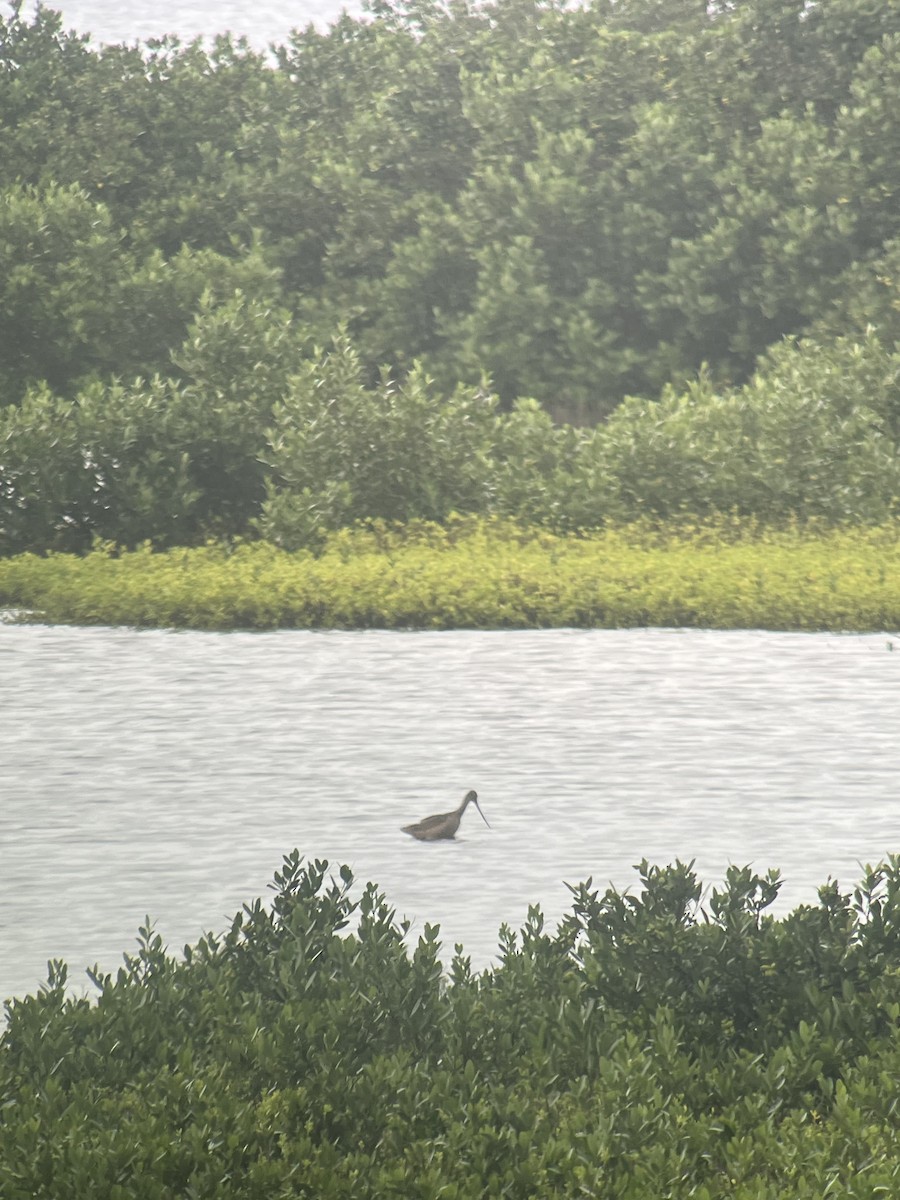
(480, 214)
(475, 574)
(580, 203)
(256, 439)
(656, 1044)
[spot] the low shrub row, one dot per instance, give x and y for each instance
(473, 573)
(261, 435)
(657, 1044)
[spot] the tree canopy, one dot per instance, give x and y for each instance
(551, 205)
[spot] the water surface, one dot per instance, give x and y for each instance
(167, 773)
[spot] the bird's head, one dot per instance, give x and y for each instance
(472, 798)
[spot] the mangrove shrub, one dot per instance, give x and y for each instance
(663, 1042)
(579, 202)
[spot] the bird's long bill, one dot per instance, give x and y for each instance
(483, 817)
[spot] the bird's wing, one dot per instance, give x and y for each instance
(431, 822)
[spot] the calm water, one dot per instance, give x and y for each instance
(261, 22)
(167, 773)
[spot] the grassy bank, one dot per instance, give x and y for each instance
(655, 1045)
(477, 574)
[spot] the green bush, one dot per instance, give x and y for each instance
(483, 574)
(171, 460)
(255, 429)
(812, 435)
(114, 466)
(78, 300)
(581, 203)
(658, 1043)
(340, 451)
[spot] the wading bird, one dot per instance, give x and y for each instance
(444, 825)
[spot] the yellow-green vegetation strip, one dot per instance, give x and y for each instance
(483, 574)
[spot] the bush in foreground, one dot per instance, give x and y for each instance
(657, 1044)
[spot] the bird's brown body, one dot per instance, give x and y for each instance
(444, 825)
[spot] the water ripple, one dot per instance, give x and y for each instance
(167, 773)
